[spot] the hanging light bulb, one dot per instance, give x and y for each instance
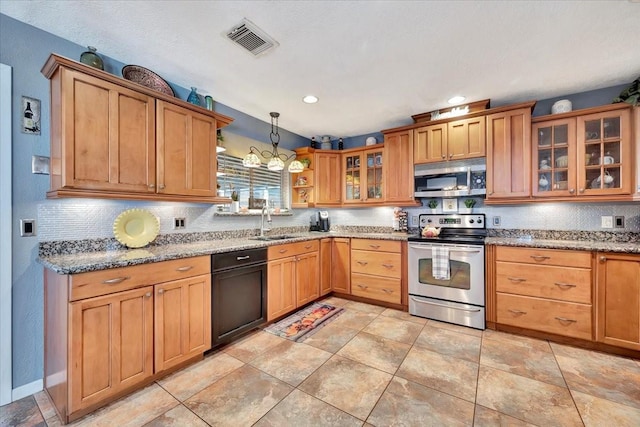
(276, 160)
(251, 160)
(296, 167)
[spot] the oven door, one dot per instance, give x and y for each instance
(466, 284)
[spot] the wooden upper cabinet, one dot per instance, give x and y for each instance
(398, 172)
(455, 140)
(186, 145)
(113, 138)
(509, 154)
(102, 136)
(430, 143)
(466, 138)
(327, 178)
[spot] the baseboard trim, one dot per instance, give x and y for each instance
(26, 390)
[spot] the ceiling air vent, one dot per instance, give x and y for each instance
(250, 37)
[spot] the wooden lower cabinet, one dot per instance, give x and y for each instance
(545, 290)
(104, 329)
(325, 266)
(182, 320)
(112, 345)
(618, 303)
(376, 269)
(341, 265)
(292, 277)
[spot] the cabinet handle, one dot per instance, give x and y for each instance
(564, 285)
(374, 246)
(185, 268)
(389, 291)
(443, 156)
(161, 186)
(540, 257)
(564, 319)
(362, 286)
(242, 258)
(387, 265)
(491, 193)
(147, 295)
(517, 311)
(283, 251)
(116, 280)
(362, 262)
(603, 258)
(581, 190)
(151, 186)
(450, 156)
(516, 279)
(308, 247)
(571, 191)
(161, 291)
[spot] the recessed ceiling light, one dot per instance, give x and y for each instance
(310, 99)
(456, 99)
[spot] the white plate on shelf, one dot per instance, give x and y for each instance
(136, 228)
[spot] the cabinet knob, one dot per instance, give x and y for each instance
(450, 156)
(443, 156)
(603, 258)
(152, 186)
(572, 191)
(161, 186)
(491, 193)
(147, 295)
(581, 190)
(161, 291)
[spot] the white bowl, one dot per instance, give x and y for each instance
(562, 106)
(562, 161)
(371, 141)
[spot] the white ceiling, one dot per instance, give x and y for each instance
(372, 63)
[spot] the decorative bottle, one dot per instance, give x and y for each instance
(340, 144)
(91, 58)
(194, 98)
(313, 142)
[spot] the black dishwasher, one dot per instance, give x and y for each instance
(239, 294)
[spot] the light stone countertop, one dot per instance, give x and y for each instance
(102, 260)
(584, 245)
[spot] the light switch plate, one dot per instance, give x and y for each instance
(40, 165)
(606, 221)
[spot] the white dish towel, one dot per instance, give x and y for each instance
(440, 263)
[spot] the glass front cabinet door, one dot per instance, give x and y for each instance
(554, 153)
(604, 153)
(362, 180)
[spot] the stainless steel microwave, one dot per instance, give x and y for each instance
(462, 178)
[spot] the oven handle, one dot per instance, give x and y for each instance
(446, 306)
(453, 249)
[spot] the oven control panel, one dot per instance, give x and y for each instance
(452, 221)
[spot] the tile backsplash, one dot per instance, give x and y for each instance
(75, 219)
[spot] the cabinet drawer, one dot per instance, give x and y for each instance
(292, 249)
(377, 263)
(95, 283)
(563, 258)
(376, 245)
(565, 284)
(562, 318)
(379, 288)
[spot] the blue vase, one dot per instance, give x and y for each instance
(193, 97)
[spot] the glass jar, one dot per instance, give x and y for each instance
(91, 58)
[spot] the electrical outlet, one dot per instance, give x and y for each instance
(497, 221)
(179, 223)
(606, 221)
(414, 220)
(619, 221)
(27, 227)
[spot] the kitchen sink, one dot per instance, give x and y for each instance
(269, 238)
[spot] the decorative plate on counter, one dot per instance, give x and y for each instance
(147, 78)
(136, 228)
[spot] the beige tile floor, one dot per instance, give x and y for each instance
(378, 367)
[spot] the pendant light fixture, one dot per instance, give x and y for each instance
(276, 161)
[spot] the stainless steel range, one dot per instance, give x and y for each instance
(446, 273)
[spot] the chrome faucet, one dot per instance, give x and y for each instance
(265, 209)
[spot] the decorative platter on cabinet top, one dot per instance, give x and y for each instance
(146, 77)
(136, 228)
